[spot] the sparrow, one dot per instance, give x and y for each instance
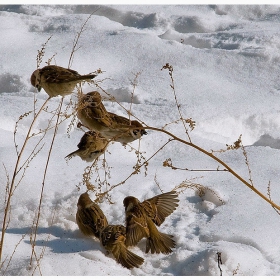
(142, 218)
(124, 130)
(93, 114)
(56, 80)
(89, 217)
(90, 147)
(112, 238)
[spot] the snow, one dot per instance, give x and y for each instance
(225, 62)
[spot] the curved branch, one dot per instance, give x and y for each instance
(218, 160)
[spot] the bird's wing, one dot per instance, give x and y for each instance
(161, 206)
(136, 227)
(94, 218)
(94, 109)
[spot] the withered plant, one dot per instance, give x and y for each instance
(189, 124)
(97, 176)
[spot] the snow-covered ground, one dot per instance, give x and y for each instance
(226, 74)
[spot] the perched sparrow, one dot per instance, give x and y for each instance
(93, 114)
(91, 146)
(112, 238)
(124, 130)
(56, 80)
(90, 218)
(142, 218)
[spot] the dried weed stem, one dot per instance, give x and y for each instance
(13, 185)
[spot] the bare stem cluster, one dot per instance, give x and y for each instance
(100, 167)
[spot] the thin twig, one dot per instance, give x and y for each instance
(44, 247)
(134, 172)
(134, 84)
(44, 179)
(174, 137)
(170, 70)
(112, 98)
(269, 195)
(10, 259)
(76, 40)
(168, 163)
(11, 188)
(247, 164)
(220, 262)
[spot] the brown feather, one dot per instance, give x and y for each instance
(113, 238)
(142, 218)
(90, 218)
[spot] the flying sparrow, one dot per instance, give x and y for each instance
(93, 114)
(91, 146)
(56, 80)
(90, 218)
(142, 218)
(112, 238)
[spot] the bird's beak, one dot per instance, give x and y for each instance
(144, 132)
(39, 88)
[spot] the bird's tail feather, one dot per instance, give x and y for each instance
(126, 258)
(160, 243)
(72, 154)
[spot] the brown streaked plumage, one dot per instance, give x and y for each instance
(93, 114)
(124, 130)
(90, 218)
(56, 80)
(142, 218)
(113, 238)
(91, 146)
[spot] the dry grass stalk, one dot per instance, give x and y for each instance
(76, 39)
(113, 99)
(235, 271)
(134, 84)
(172, 85)
(44, 179)
(269, 195)
(101, 194)
(168, 163)
(219, 260)
(189, 121)
(198, 188)
(41, 53)
(39, 259)
(210, 154)
(13, 184)
(235, 146)
(12, 255)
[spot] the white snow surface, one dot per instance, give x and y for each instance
(225, 63)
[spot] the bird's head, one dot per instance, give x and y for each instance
(84, 200)
(35, 80)
(138, 132)
(129, 202)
